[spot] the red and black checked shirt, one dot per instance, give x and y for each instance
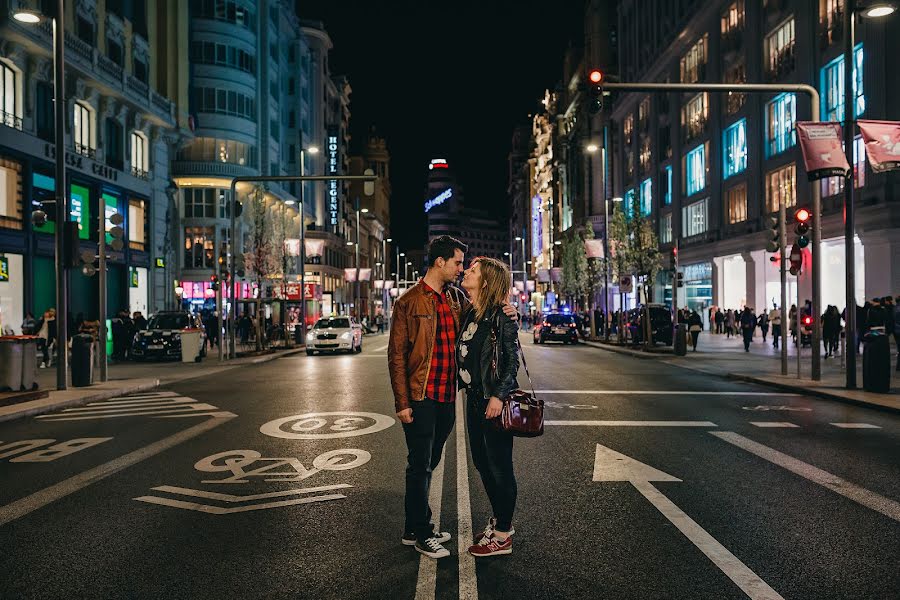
(441, 384)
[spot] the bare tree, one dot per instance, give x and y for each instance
(263, 252)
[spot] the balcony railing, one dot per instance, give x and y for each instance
(140, 173)
(85, 151)
(108, 67)
(11, 120)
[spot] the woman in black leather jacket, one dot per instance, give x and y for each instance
(488, 360)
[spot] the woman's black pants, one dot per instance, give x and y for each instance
(492, 456)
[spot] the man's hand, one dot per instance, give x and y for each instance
(405, 416)
(493, 408)
(510, 311)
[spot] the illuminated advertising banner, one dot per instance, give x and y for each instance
(537, 226)
(80, 209)
(439, 199)
(823, 153)
(438, 163)
(882, 139)
(333, 168)
(4, 269)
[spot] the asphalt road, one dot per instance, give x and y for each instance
(651, 481)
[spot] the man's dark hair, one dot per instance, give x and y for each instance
(445, 247)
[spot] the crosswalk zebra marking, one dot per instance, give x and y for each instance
(161, 405)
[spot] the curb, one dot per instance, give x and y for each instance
(627, 352)
(819, 393)
(37, 407)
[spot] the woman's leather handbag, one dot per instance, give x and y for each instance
(522, 414)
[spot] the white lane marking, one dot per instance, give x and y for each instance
(157, 412)
(171, 489)
(635, 423)
(218, 510)
(39, 499)
(661, 393)
(737, 571)
(381, 348)
(468, 584)
(772, 424)
(860, 495)
(425, 586)
(855, 425)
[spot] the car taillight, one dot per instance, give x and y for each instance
(807, 320)
(546, 324)
(571, 324)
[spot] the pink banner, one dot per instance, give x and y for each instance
(349, 274)
(543, 275)
(882, 139)
(593, 248)
(314, 247)
(823, 154)
(556, 274)
(365, 274)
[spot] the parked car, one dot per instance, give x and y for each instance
(162, 337)
(557, 327)
(660, 324)
(334, 334)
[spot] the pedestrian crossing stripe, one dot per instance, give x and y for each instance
(158, 405)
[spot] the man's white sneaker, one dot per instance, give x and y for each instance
(432, 548)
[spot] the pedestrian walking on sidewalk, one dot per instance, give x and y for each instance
(748, 324)
(695, 326)
(831, 330)
(729, 323)
(47, 336)
(422, 364)
(720, 321)
(488, 358)
(775, 319)
(763, 323)
(792, 322)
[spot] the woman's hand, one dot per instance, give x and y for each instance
(493, 408)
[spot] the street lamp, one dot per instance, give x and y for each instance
(403, 270)
(62, 201)
(878, 9)
(312, 150)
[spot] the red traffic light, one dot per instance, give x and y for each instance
(213, 278)
(807, 320)
(802, 215)
(596, 76)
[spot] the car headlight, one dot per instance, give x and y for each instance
(310, 336)
(347, 335)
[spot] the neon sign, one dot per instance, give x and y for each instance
(438, 163)
(439, 199)
(333, 169)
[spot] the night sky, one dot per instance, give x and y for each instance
(445, 80)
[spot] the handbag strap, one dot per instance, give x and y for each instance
(521, 351)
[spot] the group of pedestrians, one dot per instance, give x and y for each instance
(447, 347)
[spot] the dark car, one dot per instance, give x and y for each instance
(162, 338)
(557, 327)
(660, 324)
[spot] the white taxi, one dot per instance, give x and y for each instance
(334, 334)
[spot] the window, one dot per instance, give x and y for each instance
(199, 247)
(199, 203)
(628, 129)
(646, 197)
(667, 199)
(228, 11)
(141, 72)
(831, 20)
(736, 203)
(733, 19)
(113, 152)
(83, 130)
(735, 100)
(734, 147)
(694, 218)
(694, 169)
(115, 52)
(694, 116)
(665, 229)
(833, 87)
(43, 111)
(10, 194)
(781, 186)
(140, 164)
(211, 53)
(831, 186)
(694, 62)
(10, 96)
(644, 114)
(224, 102)
(137, 224)
(216, 150)
(85, 30)
(781, 115)
(780, 49)
(644, 156)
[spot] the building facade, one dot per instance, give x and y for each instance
(710, 168)
(123, 83)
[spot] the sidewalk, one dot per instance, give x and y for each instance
(126, 378)
(725, 357)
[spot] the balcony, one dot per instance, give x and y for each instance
(782, 64)
(85, 151)
(140, 173)
(187, 168)
(11, 120)
(108, 67)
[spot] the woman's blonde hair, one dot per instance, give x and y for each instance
(496, 281)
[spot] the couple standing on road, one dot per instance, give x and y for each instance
(442, 340)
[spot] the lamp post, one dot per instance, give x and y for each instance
(850, 10)
(591, 149)
(403, 270)
(62, 199)
(385, 296)
(356, 293)
(312, 150)
(525, 273)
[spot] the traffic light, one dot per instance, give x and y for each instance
(679, 279)
(595, 91)
(796, 258)
(807, 320)
(214, 283)
(675, 258)
(116, 232)
(71, 243)
(803, 217)
(774, 227)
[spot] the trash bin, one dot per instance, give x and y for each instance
(298, 334)
(82, 360)
(29, 361)
(11, 356)
(876, 363)
(190, 345)
(680, 344)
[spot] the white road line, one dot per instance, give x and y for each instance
(772, 424)
(855, 425)
(218, 510)
(382, 348)
(158, 412)
(660, 393)
(737, 571)
(39, 499)
(635, 423)
(425, 586)
(869, 499)
(468, 584)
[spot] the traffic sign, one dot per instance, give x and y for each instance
(626, 284)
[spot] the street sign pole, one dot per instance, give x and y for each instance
(782, 237)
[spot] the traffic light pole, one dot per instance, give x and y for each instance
(232, 281)
(767, 88)
(782, 249)
(101, 281)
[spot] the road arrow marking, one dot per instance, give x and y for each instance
(869, 499)
(610, 465)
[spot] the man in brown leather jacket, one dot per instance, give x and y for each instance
(421, 359)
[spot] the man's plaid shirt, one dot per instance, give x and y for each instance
(441, 384)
